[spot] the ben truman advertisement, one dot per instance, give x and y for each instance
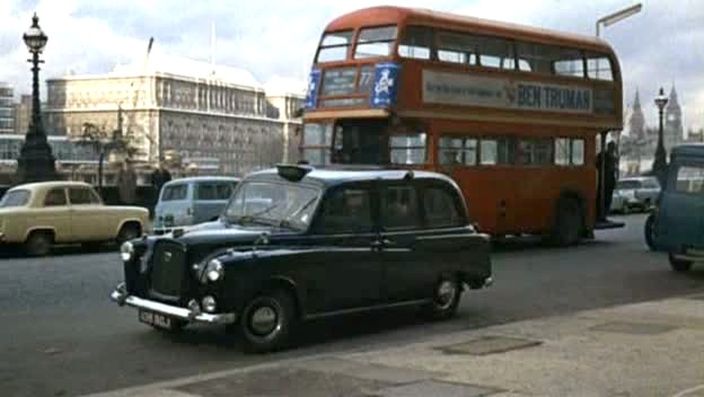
(463, 89)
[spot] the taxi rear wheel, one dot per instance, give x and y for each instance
(267, 321)
(446, 299)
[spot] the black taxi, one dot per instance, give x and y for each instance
(296, 243)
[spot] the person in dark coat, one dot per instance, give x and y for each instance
(610, 162)
(127, 183)
(160, 176)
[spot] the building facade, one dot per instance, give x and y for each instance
(23, 115)
(193, 115)
(7, 113)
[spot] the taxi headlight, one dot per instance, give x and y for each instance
(214, 270)
(126, 251)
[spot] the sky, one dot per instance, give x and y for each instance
(275, 39)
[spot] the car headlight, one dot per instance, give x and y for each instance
(127, 251)
(214, 270)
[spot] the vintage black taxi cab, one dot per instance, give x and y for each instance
(297, 243)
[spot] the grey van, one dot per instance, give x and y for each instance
(189, 201)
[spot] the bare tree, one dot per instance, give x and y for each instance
(105, 143)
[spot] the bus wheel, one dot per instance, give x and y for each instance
(569, 223)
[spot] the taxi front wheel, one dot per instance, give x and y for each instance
(267, 321)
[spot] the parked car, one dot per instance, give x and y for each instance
(679, 218)
(296, 243)
(39, 215)
(189, 201)
(636, 193)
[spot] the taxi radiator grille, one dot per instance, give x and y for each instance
(168, 269)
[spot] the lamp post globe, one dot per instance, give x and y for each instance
(36, 162)
(660, 163)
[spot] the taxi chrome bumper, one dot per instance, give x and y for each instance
(191, 314)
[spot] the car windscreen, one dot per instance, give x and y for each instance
(272, 203)
(214, 190)
(625, 185)
(15, 198)
(174, 192)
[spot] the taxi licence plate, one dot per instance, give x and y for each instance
(155, 319)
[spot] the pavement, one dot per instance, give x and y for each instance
(653, 348)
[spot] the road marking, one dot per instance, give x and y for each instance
(683, 393)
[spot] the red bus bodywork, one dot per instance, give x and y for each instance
(502, 198)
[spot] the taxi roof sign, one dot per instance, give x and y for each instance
(293, 172)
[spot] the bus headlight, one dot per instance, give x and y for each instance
(214, 270)
(126, 251)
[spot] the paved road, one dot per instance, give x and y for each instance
(60, 335)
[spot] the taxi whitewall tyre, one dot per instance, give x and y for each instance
(446, 299)
(267, 321)
(39, 243)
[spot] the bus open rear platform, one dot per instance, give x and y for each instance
(608, 224)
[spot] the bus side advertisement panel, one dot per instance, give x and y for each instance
(504, 93)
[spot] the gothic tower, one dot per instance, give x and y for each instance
(637, 120)
(673, 129)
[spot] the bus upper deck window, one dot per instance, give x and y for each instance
(375, 42)
(334, 45)
(599, 67)
(416, 43)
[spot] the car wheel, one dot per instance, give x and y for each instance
(129, 231)
(679, 265)
(446, 299)
(568, 223)
(267, 321)
(648, 231)
(38, 244)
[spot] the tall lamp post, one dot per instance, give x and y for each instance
(36, 162)
(609, 20)
(660, 163)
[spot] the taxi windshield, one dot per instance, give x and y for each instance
(271, 203)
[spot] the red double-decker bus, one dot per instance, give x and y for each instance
(512, 113)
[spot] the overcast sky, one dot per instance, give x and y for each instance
(276, 38)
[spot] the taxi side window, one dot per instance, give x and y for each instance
(347, 210)
(441, 208)
(690, 179)
(399, 208)
(55, 197)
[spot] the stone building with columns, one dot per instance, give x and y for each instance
(206, 118)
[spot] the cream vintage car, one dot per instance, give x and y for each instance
(39, 215)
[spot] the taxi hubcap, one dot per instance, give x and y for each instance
(446, 294)
(264, 320)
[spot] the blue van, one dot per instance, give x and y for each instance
(189, 201)
(679, 223)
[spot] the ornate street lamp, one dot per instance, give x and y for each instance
(660, 163)
(36, 162)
